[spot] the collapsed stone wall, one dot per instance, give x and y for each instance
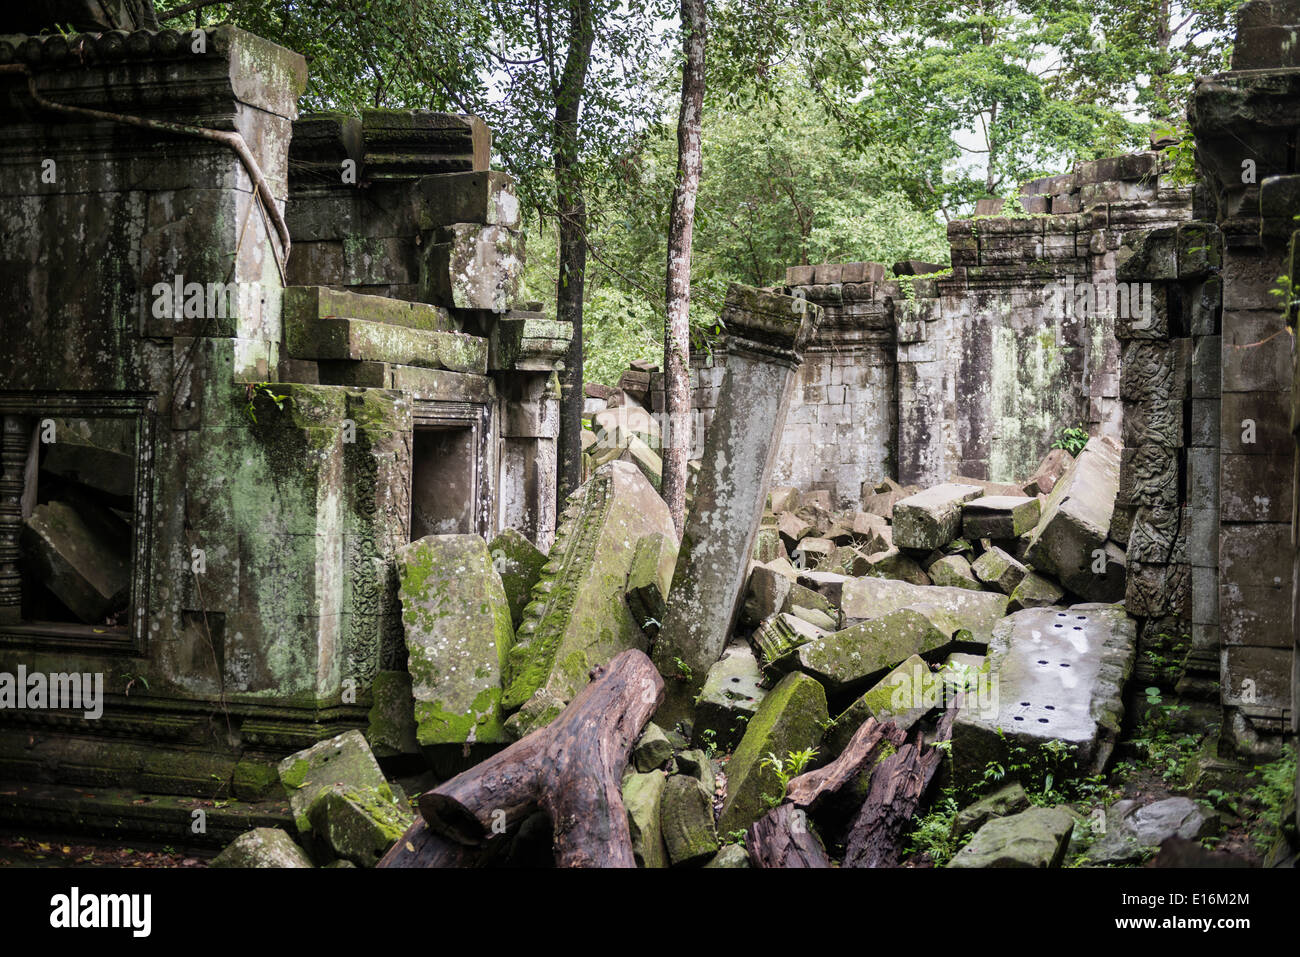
(973, 370)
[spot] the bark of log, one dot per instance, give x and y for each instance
(420, 847)
(897, 786)
(814, 789)
(783, 838)
(572, 769)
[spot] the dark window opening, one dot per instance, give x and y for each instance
(443, 486)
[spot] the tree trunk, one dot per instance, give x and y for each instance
(571, 206)
(897, 785)
(572, 769)
(782, 838)
(681, 227)
(420, 847)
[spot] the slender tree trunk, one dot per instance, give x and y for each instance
(681, 227)
(571, 204)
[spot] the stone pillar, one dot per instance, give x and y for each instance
(1243, 121)
(766, 336)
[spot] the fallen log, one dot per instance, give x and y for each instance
(897, 786)
(420, 847)
(572, 769)
(813, 789)
(783, 838)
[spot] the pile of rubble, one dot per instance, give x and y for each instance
(972, 612)
(624, 423)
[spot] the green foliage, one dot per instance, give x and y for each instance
(1275, 795)
(1072, 440)
(261, 389)
(1167, 748)
(786, 770)
(932, 834)
(1048, 772)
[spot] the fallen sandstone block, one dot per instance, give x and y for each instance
(1070, 538)
(954, 571)
(456, 620)
(1037, 837)
(641, 796)
(995, 567)
(1034, 591)
(579, 617)
(77, 561)
(731, 696)
(519, 563)
(999, 516)
(863, 652)
(686, 816)
(978, 612)
(344, 760)
(898, 697)
(262, 847)
(789, 719)
(1061, 674)
(357, 825)
(782, 633)
(931, 519)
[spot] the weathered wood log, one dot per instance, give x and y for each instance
(783, 838)
(897, 785)
(572, 769)
(813, 789)
(420, 847)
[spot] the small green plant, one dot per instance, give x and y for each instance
(786, 770)
(1072, 440)
(1166, 748)
(709, 737)
(1275, 795)
(261, 388)
(735, 837)
(684, 671)
(933, 833)
(132, 681)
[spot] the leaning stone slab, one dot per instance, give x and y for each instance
(686, 814)
(641, 796)
(931, 519)
(1037, 837)
(78, 561)
(357, 825)
(1076, 522)
(262, 847)
(995, 567)
(579, 617)
(999, 516)
(457, 622)
(790, 718)
(978, 612)
(392, 715)
(1060, 677)
(519, 563)
(731, 696)
(766, 335)
(865, 651)
(342, 760)
(765, 595)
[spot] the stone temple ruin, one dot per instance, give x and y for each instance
(279, 465)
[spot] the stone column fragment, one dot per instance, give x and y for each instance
(767, 333)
